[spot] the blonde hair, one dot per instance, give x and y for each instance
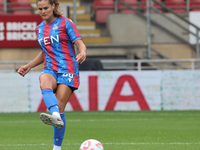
(56, 11)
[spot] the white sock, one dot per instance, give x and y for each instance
(56, 147)
(56, 114)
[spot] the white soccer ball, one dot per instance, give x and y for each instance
(91, 144)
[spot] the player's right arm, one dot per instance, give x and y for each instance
(23, 70)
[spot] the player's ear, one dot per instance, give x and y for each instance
(53, 6)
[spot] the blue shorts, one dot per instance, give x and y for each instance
(68, 79)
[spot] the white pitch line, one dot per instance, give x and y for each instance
(135, 114)
(87, 120)
(43, 144)
(175, 143)
(111, 120)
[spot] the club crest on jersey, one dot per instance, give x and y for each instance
(48, 40)
(55, 27)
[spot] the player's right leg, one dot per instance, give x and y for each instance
(48, 83)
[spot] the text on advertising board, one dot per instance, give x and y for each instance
(19, 31)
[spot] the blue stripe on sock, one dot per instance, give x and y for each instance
(50, 100)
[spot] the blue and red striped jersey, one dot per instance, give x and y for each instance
(56, 40)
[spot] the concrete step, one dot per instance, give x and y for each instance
(90, 33)
(85, 17)
(86, 25)
(96, 40)
(79, 10)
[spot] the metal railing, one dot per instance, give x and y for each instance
(155, 64)
(150, 21)
(176, 23)
(121, 64)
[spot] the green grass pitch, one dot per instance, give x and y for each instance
(120, 130)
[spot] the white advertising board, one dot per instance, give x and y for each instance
(111, 90)
(180, 90)
(108, 90)
(13, 93)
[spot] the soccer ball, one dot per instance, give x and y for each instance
(91, 144)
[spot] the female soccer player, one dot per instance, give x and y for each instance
(56, 37)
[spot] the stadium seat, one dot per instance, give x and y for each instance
(133, 3)
(101, 15)
(2, 9)
(22, 7)
(20, 1)
(24, 1)
(143, 6)
(22, 12)
(195, 5)
(178, 6)
(101, 4)
(104, 7)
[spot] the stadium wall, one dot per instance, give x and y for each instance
(129, 28)
(108, 90)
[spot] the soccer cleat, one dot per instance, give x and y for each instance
(52, 120)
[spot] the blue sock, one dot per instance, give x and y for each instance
(58, 134)
(50, 100)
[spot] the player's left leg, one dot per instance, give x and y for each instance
(63, 94)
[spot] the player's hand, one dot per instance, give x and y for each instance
(81, 57)
(24, 70)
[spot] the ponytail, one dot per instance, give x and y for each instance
(56, 11)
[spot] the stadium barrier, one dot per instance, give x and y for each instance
(108, 90)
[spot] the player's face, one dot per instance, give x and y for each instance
(46, 10)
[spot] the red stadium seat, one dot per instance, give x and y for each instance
(14, 1)
(21, 8)
(104, 7)
(133, 3)
(22, 12)
(1, 10)
(178, 6)
(101, 15)
(195, 5)
(24, 1)
(101, 4)
(143, 6)
(20, 1)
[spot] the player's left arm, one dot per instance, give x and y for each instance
(81, 57)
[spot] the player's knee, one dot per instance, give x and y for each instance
(42, 86)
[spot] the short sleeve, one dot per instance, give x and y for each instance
(72, 31)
